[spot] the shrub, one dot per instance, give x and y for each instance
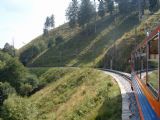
(17, 108)
(5, 90)
(59, 39)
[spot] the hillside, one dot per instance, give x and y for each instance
(73, 93)
(79, 48)
(95, 49)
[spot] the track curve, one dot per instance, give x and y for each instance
(129, 104)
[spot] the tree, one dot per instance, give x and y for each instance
(5, 90)
(72, 13)
(59, 39)
(101, 8)
(49, 23)
(46, 26)
(9, 49)
(153, 5)
(124, 6)
(110, 6)
(86, 12)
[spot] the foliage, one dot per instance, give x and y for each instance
(5, 90)
(28, 85)
(101, 8)
(86, 12)
(17, 108)
(110, 6)
(125, 6)
(49, 23)
(13, 72)
(59, 39)
(32, 52)
(51, 42)
(9, 49)
(153, 5)
(72, 13)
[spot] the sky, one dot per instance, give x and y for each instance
(23, 20)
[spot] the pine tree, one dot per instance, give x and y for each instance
(110, 6)
(124, 6)
(101, 8)
(52, 22)
(153, 5)
(72, 13)
(86, 12)
(9, 49)
(49, 23)
(46, 26)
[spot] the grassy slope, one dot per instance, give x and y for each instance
(78, 94)
(96, 50)
(80, 49)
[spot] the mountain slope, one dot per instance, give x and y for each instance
(72, 94)
(81, 49)
(98, 49)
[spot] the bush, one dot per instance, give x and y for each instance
(59, 39)
(30, 83)
(5, 90)
(17, 108)
(51, 42)
(13, 72)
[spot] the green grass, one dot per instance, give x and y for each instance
(80, 49)
(70, 94)
(38, 71)
(78, 94)
(96, 49)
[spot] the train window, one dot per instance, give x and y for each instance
(152, 76)
(138, 62)
(143, 64)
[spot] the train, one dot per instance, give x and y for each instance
(145, 75)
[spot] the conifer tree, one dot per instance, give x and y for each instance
(72, 13)
(101, 8)
(153, 5)
(51, 21)
(86, 12)
(110, 6)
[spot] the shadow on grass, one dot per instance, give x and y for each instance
(66, 52)
(108, 39)
(92, 45)
(111, 109)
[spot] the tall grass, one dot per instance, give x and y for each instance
(71, 94)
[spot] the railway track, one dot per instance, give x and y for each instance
(129, 105)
